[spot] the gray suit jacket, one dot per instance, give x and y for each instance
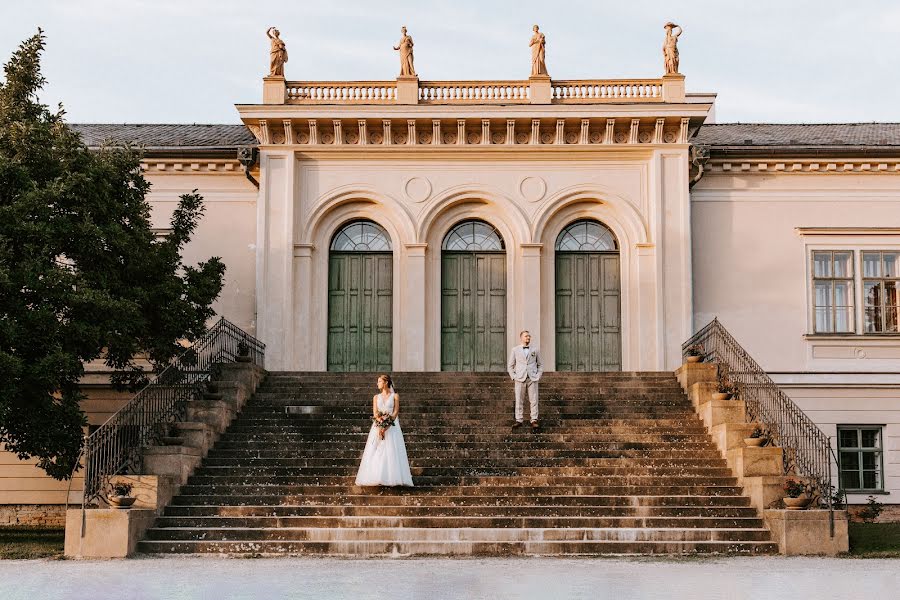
(522, 367)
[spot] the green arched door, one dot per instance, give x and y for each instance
(588, 290)
(360, 299)
(473, 299)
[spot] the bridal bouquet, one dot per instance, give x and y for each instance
(383, 421)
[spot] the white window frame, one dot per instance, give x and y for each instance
(857, 240)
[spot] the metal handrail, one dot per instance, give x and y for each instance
(116, 447)
(806, 449)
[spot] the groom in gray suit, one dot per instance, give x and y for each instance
(525, 368)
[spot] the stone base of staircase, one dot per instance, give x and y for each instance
(621, 465)
(113, 532)
(760, 470)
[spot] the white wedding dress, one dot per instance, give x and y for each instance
(384, 462)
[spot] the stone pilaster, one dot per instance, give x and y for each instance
(412, 320)
(274, 257)
(530, 291)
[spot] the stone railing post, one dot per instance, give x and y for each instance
(274, 90)
(408, 90)
(541, 89)
(673, 88)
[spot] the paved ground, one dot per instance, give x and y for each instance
(436, 579)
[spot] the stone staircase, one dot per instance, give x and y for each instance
(622, 465)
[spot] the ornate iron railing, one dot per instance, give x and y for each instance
(116, 446)
(807, 450)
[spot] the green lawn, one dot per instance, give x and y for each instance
(31, 542)
(880, 540)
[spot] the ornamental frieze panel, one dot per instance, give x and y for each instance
(403, 132)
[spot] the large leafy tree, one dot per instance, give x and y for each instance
(83, 276)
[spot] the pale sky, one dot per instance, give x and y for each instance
(190, 61)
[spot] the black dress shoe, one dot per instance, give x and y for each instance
(535, 426)
(516, 424)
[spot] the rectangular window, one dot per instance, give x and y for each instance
(833, 291)
(881, 278)
(860, 458)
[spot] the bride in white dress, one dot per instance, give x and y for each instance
(384, 460)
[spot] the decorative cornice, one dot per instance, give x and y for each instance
(798, 166)
(509, 131)
(181, 166)
(848, 231)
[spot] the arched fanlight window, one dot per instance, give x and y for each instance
(473, 236)
(586, 236)
(361, 236)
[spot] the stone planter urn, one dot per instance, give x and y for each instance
(121, 501)
(721, 396)
(693, 359)
(798, 503)
(172, 440)
(754, 442)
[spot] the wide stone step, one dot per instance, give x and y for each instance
(454, 533)
(449, 453)
(351, 469)
(495, 511)
(499, 437)
(473, 462)
(468, 548)
(448, 396)
(486, 480)
(325, 443)
(389, 495)
(291, 493)
(374, 522)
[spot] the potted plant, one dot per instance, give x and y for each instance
(694, 353)
(725, 390)
(795, 497)
(243, 352)
(757, 438)
(119, 495)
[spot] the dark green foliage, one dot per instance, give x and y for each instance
(83, 275)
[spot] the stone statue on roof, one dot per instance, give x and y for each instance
(405, 46)
(277, 54)
(670, 48)
(538, 53)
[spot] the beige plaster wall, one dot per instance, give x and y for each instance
(750, 264)
(227, 230)
(641, 195)
(857, 404)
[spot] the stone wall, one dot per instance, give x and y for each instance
(40, 515)
(891, 513)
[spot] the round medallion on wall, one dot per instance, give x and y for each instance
(417, 189)
(532, 188)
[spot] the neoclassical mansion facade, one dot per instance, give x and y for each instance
(421, 225)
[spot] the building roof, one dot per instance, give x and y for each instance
(799, 136)
(166, 136)
(725, 137)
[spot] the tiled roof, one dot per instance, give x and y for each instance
(799, 136)
(747, 135)
(153, 136)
